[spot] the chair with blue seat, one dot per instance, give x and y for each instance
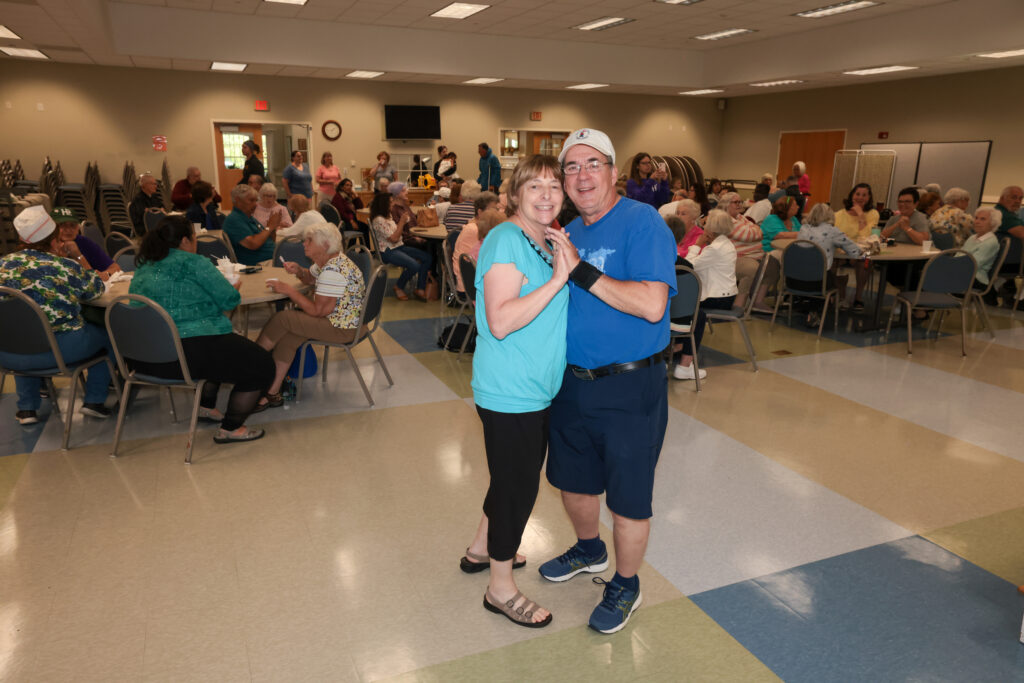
(330, 213)
(943, 240)
(150, 219)
(805, 261)
(115, 242)
(126, 258)
(944, 285)
(467, 268)
(740, 314)
(93, 232)
(215, 248)
(363, 258)
(369, 320)
(35, 335)
(978, 297)
(141, 330)
(686, 304)
(291, 249)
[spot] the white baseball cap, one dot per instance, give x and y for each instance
(591, 138)
(34, 224)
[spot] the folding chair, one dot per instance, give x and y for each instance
(19, 312)
(291, 249)
(115, 242)
(740, 314)
(215, 248)
(945, 275)
(126, 258)
(468, 271)
(141, 330)
(979, 297)
(329, 212)
(369, 321)
(686, 303)
(362, 257)
(805, 260)
(151, 219)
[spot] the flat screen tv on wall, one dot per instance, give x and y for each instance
(404, 122)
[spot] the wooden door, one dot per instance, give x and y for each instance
(817, 149)
(234, 134)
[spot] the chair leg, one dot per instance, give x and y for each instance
(824, 312)
(3, 381)
(359, 376)
(121, 411)
(69, 417)
(892, 314)
(910, 329)
(465, 340)
(963, 329)
(174, 411)
(696, 364)
(323, 374)
(380, 359)
(198, 395)
(778, 302)
(835, 323)
(302, 372)
(53, 396)
(979, 306)
(746, 340)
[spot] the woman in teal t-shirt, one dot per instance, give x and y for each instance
(521, 307)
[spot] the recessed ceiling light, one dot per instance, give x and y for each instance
(1002, 55)
(288, 2)
(227, 66)
(769, 84)
(706, 91)
(602, 24)
(483, 81)
(459, 10)
(23, 52)
(838, 8)
(587, 86)
(728, 33)
(880, 70)
(679, 2)
(364, 74)
(8, 33)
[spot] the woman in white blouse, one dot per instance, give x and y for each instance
(713, 259)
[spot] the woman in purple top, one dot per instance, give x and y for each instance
(647, 183)
(94, 255)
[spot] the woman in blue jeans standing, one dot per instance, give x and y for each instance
(58, 278)
(413, 261)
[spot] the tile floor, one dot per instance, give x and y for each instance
(847, 513)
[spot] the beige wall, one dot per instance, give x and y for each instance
(982, 105)
(109, 114)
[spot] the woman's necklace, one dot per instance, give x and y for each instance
(543, 254)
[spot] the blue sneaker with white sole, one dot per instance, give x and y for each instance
(616, 607)
(572, 562)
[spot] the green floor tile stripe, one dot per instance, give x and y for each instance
(673, 640)
(991, 542)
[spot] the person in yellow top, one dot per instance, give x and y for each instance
(857, 221)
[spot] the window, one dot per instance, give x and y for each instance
(233, 157)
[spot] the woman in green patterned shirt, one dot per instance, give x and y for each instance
(332, 314)
(196, 295)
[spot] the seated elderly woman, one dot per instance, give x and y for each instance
(952, 218)
(689, 211)
(59, 279)
(268, 206)
(713, 258)
(781, 223)
(929, 203)
(746, 236)
(472, 235)
(462, 210)
(984, 247)
(331, 315)
(79, 247)
(253, 242)
(196, 295)
(820, 228)
(203, 210)
(393, 250)
(402, 214)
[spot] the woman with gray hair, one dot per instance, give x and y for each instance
(746, 236)
(984, 247)
(713, 259)
(269, 206)
(952, 217)
(332, 314)
(820, 229)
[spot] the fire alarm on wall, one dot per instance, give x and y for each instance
(884, 135)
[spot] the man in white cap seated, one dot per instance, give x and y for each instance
(57, 280)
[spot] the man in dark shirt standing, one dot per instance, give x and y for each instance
(490, 168)
(146, 199)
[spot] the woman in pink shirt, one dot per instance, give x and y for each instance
(472, 236)
(269, 205)
(328, 176)
(689, 211)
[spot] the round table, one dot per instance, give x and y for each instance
(254, 288)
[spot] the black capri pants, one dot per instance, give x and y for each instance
(516, 444)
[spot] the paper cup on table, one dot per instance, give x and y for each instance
(234, 278)
(926, 245)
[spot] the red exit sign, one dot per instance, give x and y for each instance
(261, 105)
(535, 116)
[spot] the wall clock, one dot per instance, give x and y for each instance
(331, 130)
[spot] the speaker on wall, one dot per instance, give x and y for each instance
(721, 104)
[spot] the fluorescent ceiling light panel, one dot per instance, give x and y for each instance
(459, 10)
(1002, 55)
(880, 70)
(227, 66)
(769, 84)
(587, 86)
(8, 33)
(364, 74)
(483, 81)
(602, 24)
(288, 2)
(679, 2)
(707, 91)
(728, 33)
(23, 52)
(838, 8)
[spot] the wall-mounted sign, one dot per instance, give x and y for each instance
(160, 143)
(535, 116)
(261, 105)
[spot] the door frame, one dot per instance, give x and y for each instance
(260, 122)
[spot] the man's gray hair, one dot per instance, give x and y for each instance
(956, 194)
(239, 192)
(821, 214)
(995, 217)
(1007, 190)
(326, 235)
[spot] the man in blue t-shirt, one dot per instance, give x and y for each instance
(608, 420)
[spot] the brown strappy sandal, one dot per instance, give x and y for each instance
(471, 563)
(520, 616)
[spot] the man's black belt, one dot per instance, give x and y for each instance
(614, 369)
